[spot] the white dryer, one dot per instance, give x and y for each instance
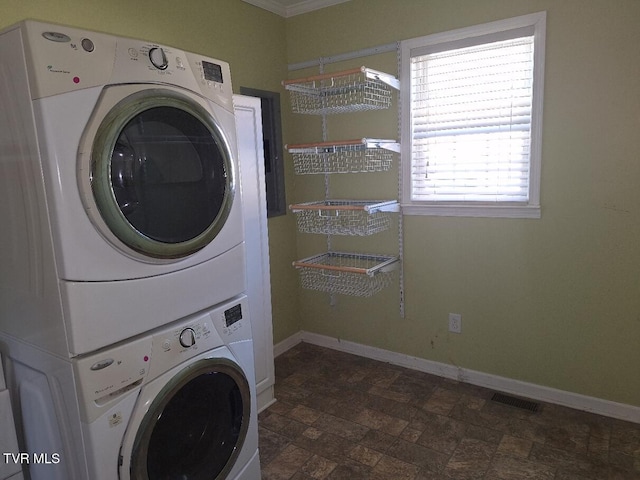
(118, 198)
(178, 403)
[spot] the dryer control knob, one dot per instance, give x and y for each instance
(158, 58)
(187, 337)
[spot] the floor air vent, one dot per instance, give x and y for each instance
(516, 402)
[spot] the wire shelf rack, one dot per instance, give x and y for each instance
(347, 273)
(346, 156)
(358, 89)
(344, 217)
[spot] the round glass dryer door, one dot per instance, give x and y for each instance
(161, 174)
(195, 428)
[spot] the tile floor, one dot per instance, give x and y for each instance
(339, 416)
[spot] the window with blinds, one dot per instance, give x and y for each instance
(471, 144)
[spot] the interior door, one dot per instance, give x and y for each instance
(254, 209)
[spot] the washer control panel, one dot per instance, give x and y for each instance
(106, 375)
(199, 333)
(233, 315)
(196, 335)
(233, 323)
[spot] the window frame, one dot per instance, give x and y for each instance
(464, 36)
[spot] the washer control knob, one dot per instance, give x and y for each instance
(158, 58)
(187, 337)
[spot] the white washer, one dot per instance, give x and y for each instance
(9, 469)
(176, 403)
(118, 176)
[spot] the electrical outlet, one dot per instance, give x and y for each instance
(455, 323)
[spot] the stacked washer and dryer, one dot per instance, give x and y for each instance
(124, 328)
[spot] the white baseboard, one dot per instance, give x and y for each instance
(516, 387)
(287, 344)
(265, 399)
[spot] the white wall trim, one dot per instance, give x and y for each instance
(306, 6)
(298, 8)
(451, 39)
(287, 344)
(524, 389)
(468, 210)
(269, 5)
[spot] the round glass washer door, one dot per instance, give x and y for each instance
(162, 174)
(196, 426)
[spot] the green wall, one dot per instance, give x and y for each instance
(554, 301)
(252, 40)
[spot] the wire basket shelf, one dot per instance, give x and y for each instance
(352, 274)
(344, 217)
(346, 156)
(359, 89)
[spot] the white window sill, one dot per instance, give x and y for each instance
(491, 211)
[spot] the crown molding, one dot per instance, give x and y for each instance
(270, 5)
(298, 8)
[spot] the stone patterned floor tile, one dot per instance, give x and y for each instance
(286, 464)
(400, 410)
(350, 470)
(304, 414)
(299, 475)
(442, 401)
(341, 427)
(365, 455)
(598, 447)
(471, 402)
(471, 459)
(382, 377)
(283, 425)
(515, 447)
(422, 457)
(377, 440)
(344, 417)
(390, 394)
(443, 434)
(485, 434)
(271, 444)
(326, 445)
(509, 468)
(410, 435)
(380, 421)
(318, 467)
(389, 467)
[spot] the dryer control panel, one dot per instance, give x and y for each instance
(63, 59)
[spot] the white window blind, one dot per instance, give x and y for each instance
(471, 111)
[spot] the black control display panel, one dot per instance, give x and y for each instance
(212, 71)
(233, 315)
